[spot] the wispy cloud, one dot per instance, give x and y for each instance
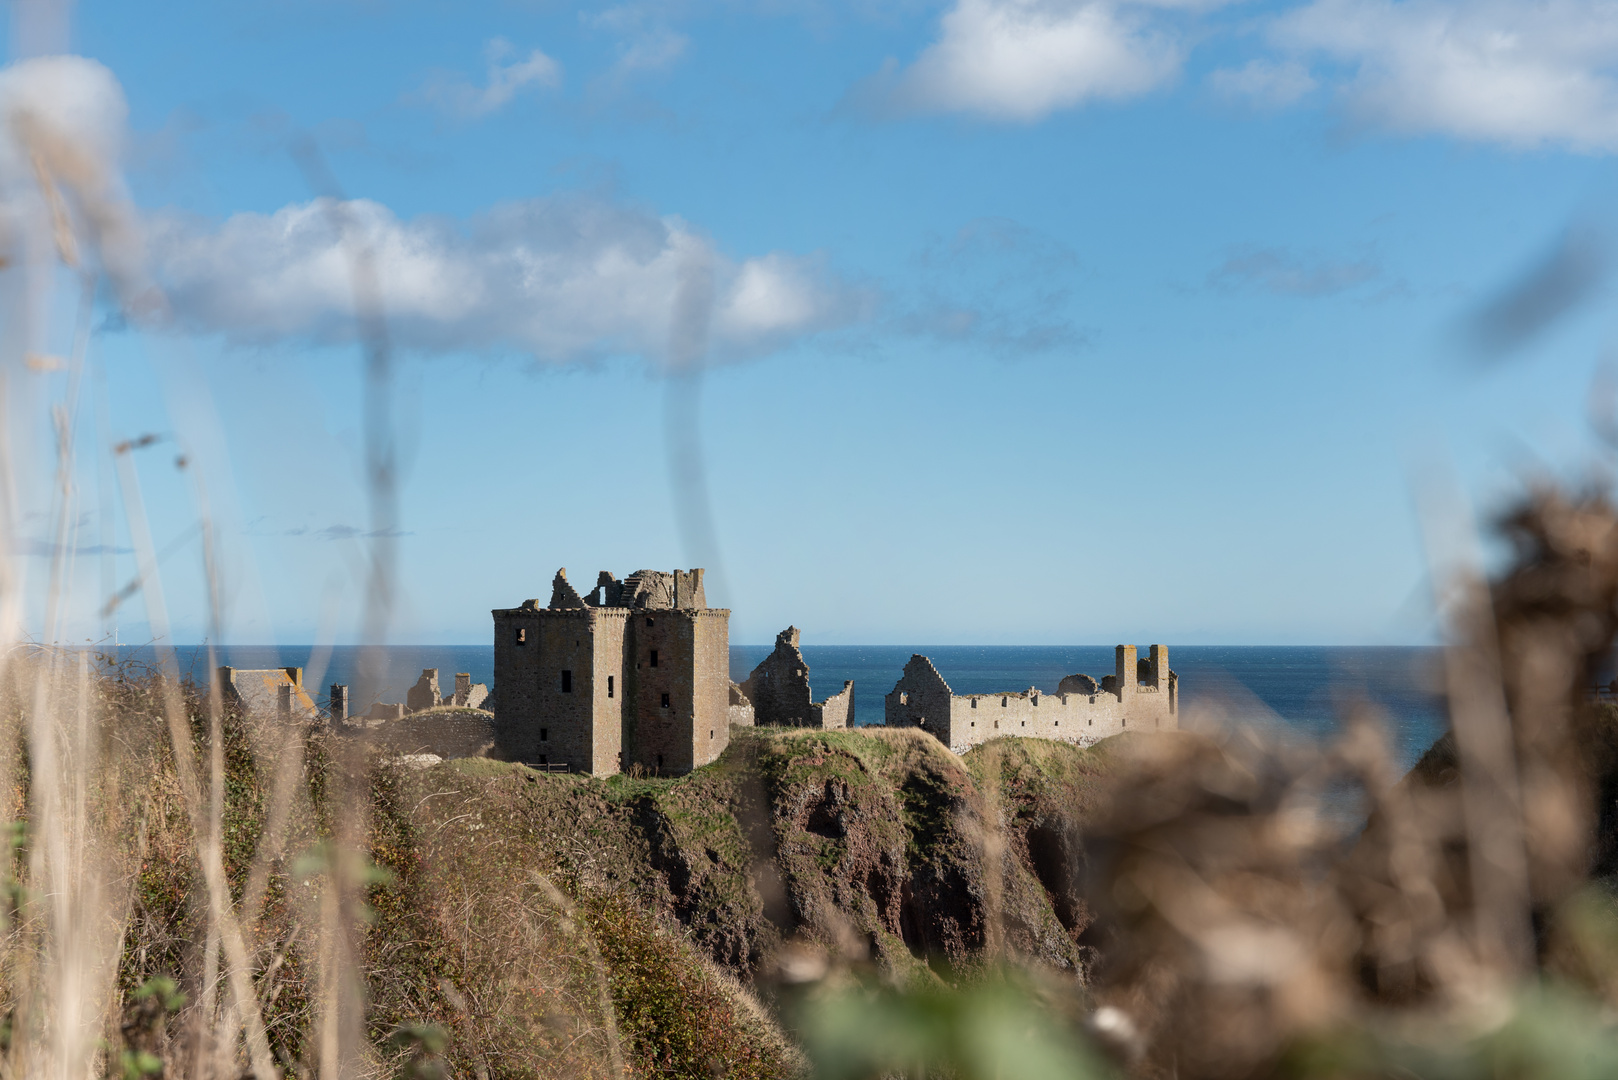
(1264, 82)
(45, 549)
(560, 278)
(505, 74)
(1280, 271)
(995, 285)
(351, 532)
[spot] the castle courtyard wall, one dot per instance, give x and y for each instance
(922, 698)
(1075, 718)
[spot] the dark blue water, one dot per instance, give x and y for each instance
(1304, 687)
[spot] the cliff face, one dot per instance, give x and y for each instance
(672, 896)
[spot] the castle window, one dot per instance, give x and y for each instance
(1059, 723)
(1025, 723)
(522, 636)
(974, 703)
(1002, 705)
(974, 723)
(544, 734)
(997, 725)
(654, 657)
(1124, 722)
(648, 623)
(1092, 721)
(542, 760)
(609, 686)
(710, 733)
(665, 701)
(567, 682)
(1036, 701)
(904, 698)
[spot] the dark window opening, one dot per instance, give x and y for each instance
(660, 761)
(522, 636)
(665, 701)
(609, 686)
(544, 734)
(1002, 705)
(542, 760)
(710, 733)
(648, 622)
(654, 657)
(567, 682)
(974, 703)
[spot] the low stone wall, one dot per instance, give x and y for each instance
(740, 715)
(836, 711)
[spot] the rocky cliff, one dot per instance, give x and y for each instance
(520, 902)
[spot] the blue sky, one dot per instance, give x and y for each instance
(1016, 321)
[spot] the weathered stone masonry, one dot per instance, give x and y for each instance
(637, 672)
(778, 690)
(1141, 695)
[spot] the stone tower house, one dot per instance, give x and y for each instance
(637, 671)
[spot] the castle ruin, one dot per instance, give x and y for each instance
(637, 672)
(778, 690)
(1141, 695)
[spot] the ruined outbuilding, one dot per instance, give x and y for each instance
(636, 672)
(267, 692)
(425, 695)
(1141, 695)
(778, 690)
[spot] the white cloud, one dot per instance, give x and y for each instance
(1517, 73)
(1022, 59)
(458, 96)
(559, 278)
(1264, 82)
(61, 140)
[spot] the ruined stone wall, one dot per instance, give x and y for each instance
(424, 695)
(921, 698)
(836, 711)
(468, 694)
(778, 686)
(740, 712)
(964, 721)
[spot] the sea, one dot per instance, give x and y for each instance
(1306, 689)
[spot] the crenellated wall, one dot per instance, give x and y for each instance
(1122, 702)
